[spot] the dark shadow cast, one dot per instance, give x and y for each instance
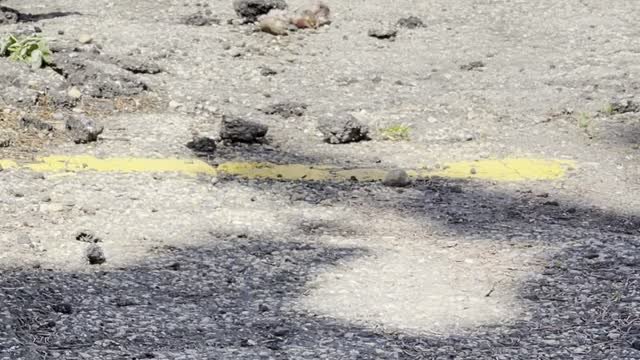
(26, 17)
(588, 290)
(260, 152)
(228, 300)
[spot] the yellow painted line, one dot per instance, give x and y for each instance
(513, 169)
(8, 164)
(504, 170)
(90, 163)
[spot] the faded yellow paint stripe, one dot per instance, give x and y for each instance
(518, 169)
(7, 164)
(503, 170)
(498, 170)
(90, 163)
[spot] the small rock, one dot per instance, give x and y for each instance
(87, 236)
(63, 308)
(250, 10)
(322, 13)
(74, 93)
(273, 25)
(263, 308)
(203, 144)
(247, 343)
(396, 178)
(85, 38)
(95, 255)
(7, 138)
(174, 266)
(174, 105)
(636, 344)
(83, 129)
(343, 129)
(311, 16)
(235, 129)
(474, 65)
(266, 71)
(8, 16)
(281, 331)
(411, 22)
(304, 20)
(383, 33)
(32, 122)
(286, 109)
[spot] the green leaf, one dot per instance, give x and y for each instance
(31, 49)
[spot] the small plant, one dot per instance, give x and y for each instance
(395, 133)
(584, 120)
(31, 49)
(608, 109)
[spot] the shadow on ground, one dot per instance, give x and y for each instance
(26, 17)
(227, 300)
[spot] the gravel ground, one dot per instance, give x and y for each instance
(231, 299)
(227, 268)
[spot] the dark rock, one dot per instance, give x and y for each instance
(202, 144)
(396, 178)
(266, 71)
(33, 122)
(286, 109)
(624, 106)
(263, 308)
(95, 255)
(591, 255)
(87, 236)
(235, 129)
(8, 16)
(281, 331)
(343, 129)
(383, 33)
(63, 308)
(83, 129)
(175, 266)
(636, 344)
(472, 66)
(411, 22)
(7, 138)
(251, 9)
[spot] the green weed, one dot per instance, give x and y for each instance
(395, 133)
(584, 120)
(31, 49)
(608, 109)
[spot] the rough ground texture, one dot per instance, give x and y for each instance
(227, 268)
